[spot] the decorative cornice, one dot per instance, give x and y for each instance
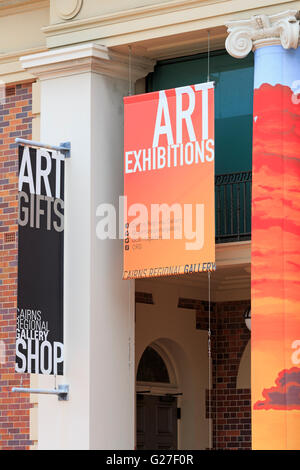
(164, 20)
(11, 70)
(16, 55)
(263, 30)
(127, 14)
(86, 58)
(12, 7)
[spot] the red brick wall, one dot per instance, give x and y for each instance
(230, 407)
(233, 406)
(15, 121)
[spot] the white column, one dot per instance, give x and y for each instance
(82, 89)
(275, 243)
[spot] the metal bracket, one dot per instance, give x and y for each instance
(67, 148)
(64, 147)
(62, 391)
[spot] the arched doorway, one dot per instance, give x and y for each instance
(157, 410)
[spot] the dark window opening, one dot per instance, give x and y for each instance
(152, 367)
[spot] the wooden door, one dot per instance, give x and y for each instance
(156, 422)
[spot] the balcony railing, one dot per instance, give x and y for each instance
(233, 207)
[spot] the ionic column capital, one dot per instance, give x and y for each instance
(263, 30)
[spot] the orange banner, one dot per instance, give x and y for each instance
(169, 182)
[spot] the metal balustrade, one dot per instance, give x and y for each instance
(233, 207)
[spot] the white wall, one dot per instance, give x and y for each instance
(112, 380)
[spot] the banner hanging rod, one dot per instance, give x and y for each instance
(62, 391)
(64, 147)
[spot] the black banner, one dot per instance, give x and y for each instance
(39, 342)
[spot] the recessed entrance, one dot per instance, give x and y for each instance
(172, 362)
(156, 414)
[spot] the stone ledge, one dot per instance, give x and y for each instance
(82, 58)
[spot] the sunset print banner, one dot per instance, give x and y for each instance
(169, 216)
(275, 272)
